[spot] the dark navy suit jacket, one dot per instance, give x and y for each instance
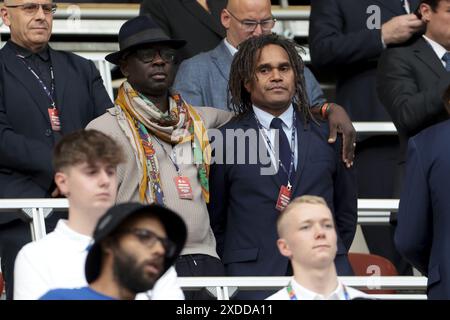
(242, 207)
(344, 37)
(422, 234)
(26, 138)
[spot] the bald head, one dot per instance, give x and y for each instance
(238, 11)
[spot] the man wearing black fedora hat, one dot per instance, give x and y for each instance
(133, 246)
(167, 151)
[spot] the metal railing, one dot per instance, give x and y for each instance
(34, 211)
(407, 287)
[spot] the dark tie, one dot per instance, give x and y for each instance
(446, 58)
(284, 148)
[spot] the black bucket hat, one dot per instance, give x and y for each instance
(115, 216)
(140, 31)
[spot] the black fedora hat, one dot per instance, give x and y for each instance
(140, 31)
(173, 224)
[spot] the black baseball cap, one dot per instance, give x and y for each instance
(173, 224)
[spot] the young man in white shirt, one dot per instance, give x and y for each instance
(85, 163)
(308, 238)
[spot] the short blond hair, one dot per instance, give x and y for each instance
(294, 203)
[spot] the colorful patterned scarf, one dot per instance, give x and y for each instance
(180, 125)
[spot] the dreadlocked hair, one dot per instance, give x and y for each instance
(243, 69)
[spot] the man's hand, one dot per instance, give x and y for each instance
(339, 122)
(400, 28)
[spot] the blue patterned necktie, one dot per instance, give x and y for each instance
(446, 58)
(284, 147)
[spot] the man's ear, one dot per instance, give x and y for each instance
(283, 247)
(124, 68)
(61, 180)
(248, 86)
(426, 12)
(225, 19)
(5, 16)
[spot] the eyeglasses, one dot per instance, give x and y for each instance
(32, 8)
(149, 54)
(250, 25)
(149, 239)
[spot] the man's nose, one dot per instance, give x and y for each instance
(276, 75)
(157, 59)
(105, 178)
(40, 15)
(258, 30)
(319, 232)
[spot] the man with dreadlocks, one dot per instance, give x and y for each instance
(167, 155)
(274, 128)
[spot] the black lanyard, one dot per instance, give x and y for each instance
(271, 149)
(44, 87)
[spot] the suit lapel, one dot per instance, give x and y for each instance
(426, 54)
(303, 141)
(60, 77)
(18, 70)
(203, 16)
(222, 58)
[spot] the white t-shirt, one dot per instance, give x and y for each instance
(57, 261)
(302, 293)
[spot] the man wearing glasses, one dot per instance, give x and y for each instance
(44, 94)
(167, 151)
(134, 245)
(203, 79)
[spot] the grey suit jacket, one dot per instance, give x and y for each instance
(203, 79)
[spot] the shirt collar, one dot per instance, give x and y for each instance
(303, 293)
(437, 48)
(43, 54)
(78, 240)
(266, 118)
(230, 47)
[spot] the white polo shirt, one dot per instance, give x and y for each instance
(57, 261)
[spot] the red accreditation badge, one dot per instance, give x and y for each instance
(54, 119)
(183, 187)
(284, 197)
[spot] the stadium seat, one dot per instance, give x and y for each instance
(365, 264)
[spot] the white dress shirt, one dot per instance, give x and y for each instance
(305, 294)
(287, 118)
(437, 48)
(230, 47)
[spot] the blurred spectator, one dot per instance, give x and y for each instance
(167, 156)
(44, 94)
(307, 236)
(196, 21)
(423, 219)
(346, 38)
(133, 246)
(249, 189)
(85, 163)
